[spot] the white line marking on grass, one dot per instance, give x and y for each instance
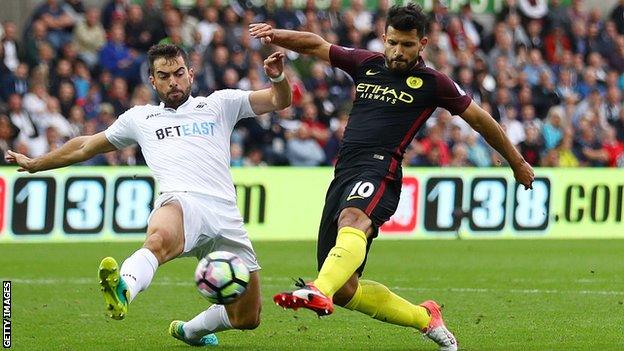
(514, 291)
(171, 282)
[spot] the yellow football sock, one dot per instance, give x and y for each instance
(379, 302)
(342, 261)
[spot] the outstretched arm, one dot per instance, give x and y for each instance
(302, 42)
(278, 96)
(76, 150)
(483, 123)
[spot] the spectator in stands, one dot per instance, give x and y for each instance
(114, 11)
(14, 83)
(535, 66)
(76, 121)
(303, 150)
(503, 48)
(116, 57)
(512, 126)
(254, 158)
(234, 30)
(553, 129)
(44, 68)
(127, 156)
(315, 128)
(587, 146)
(576, 12)
(433, 142)
(617, 16)
(589, 83)
(8, 132)
(137, 30)
(52, 118)
(534, 35)
(478, 153)
(10, 45)
(34, 39)
(614, 148)
(236, 155)
(594, 105)
(555, 43)
(153, 18)
(615, 56)
(29, 131)
(89, 36)
(142, 95)
(532, 146)
(287, 17)
(544, 94)
(473, 29)
(118, 96)
(66, 97)
(208, 25)
(62, 73)
(333, 144)
(57, 20)
(36, 100)
(459, 156)
(518, 34)
(459, 40)
(557, 16)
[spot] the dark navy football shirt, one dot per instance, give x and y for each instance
(389, 108)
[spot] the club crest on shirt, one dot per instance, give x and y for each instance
(414, 82)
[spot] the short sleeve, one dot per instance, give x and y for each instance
(450, 96)
(122, 132)
(349, 59)
(235, 105)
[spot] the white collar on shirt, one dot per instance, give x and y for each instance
(187, 102)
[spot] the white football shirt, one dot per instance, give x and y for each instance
(188, 148)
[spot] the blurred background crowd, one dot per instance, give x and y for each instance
(551, 75)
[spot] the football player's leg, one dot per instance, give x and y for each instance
(347, 254)
(244, 313)
(165, 241)
(341, 250)
(377, 301)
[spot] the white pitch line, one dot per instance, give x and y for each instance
(170, 282)
(515, 291)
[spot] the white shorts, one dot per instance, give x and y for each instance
(211, 224)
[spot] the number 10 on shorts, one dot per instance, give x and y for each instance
(361, 190)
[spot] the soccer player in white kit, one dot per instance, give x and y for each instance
(186, 144)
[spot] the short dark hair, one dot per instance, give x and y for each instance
(408, 17)
(166, 51)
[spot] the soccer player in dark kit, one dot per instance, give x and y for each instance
(395, 94)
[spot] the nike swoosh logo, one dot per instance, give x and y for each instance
(371, 72)
(354, 196)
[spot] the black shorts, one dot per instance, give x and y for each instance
(375, 191)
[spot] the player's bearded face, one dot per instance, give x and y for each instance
(172, 81)
(402, 49)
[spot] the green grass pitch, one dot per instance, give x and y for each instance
(498, 295)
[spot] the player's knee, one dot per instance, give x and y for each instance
(158, 244)
(354, 217)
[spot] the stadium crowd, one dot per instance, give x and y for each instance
(551, 76)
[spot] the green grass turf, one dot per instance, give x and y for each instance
(499, 295)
